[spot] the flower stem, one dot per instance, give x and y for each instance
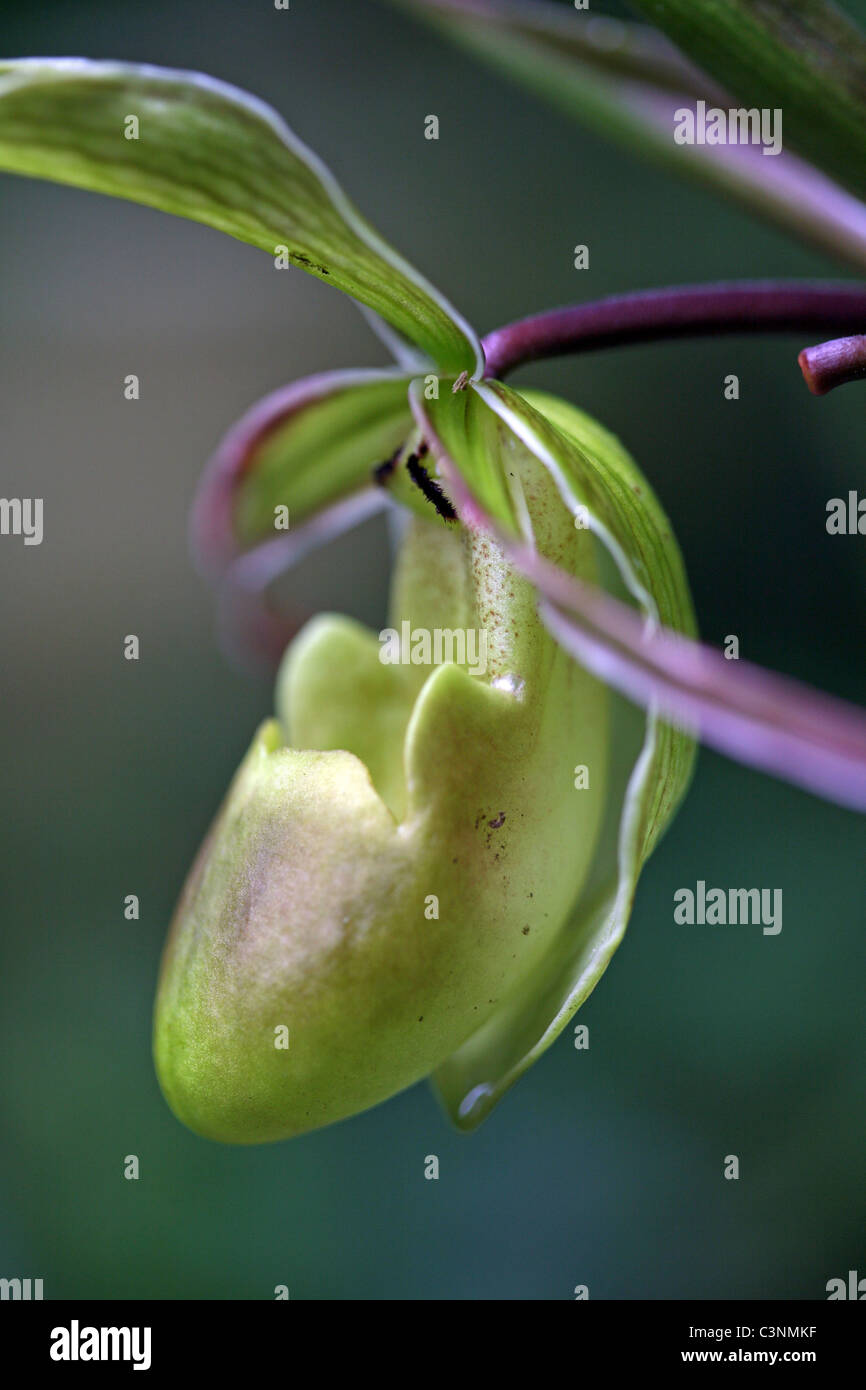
(746, 306)
(832, 364)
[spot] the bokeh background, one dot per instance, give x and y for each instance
(601, 1167)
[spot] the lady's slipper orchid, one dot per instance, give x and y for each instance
(422, 866)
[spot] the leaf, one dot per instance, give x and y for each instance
(208, 151)
(627, 83)
(651, 763)
(804, 57)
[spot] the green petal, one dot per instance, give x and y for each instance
(208, 151)
(302, 449)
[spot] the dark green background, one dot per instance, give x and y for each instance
(602, 1167)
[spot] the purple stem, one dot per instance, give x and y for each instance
(833, 364)
(746, 306)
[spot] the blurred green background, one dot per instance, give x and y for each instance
(601, 1167)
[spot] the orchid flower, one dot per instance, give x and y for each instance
(424, 863)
